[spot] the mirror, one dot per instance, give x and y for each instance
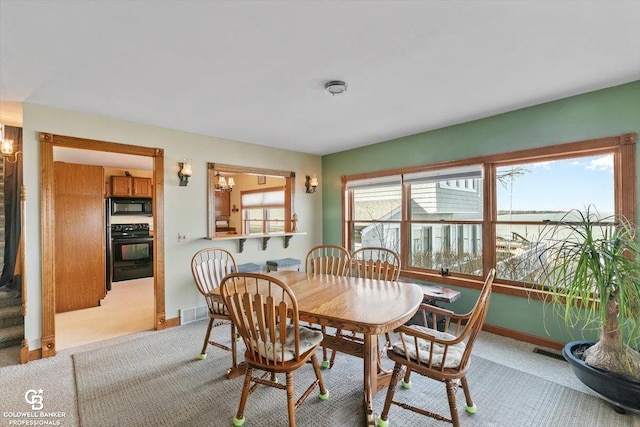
(246, 200)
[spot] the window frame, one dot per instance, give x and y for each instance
(389, 181)
(622, 147)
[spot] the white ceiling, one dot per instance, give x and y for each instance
(254, 71)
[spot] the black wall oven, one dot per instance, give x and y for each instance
(131, 252)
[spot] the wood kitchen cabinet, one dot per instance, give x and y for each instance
(223, 204)
(223, 211)
(79, 236)
(131, 186)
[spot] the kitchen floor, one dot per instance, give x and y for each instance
(127, 308)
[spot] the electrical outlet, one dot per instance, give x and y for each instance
(183, 236)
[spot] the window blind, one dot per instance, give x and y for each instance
(449, 174)
(382, 181)
(265, 199)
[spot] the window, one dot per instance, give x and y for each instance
(376, 214)
(263, 211)
(445, 213)
(532, 196)
(462, 218)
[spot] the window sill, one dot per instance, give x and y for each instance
(501, 288)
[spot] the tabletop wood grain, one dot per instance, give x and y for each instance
(353, 304)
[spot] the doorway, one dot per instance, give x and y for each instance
(47, 144)
(126, 309)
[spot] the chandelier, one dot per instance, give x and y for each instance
(222, 184)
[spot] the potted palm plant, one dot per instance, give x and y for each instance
(591, 266)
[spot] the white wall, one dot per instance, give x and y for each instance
(185, 208)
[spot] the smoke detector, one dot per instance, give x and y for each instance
(335, 87)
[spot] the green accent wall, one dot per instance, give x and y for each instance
(596, 114)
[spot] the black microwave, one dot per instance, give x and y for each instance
(131, 206)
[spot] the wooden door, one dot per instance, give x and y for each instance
(79, 236)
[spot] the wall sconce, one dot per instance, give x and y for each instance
(185, 172)
(6, 147)
(311, 183)
(222, 184)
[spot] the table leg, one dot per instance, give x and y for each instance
(370, 375)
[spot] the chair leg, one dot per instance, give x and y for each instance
(406, 381)
(470, 407)
(291, 405)
(387, 336)
(452, 387)
(325, 361)
(333, 358)
(381, 352)
(329, 364)
(239, 418)
(390, 392)
(203, 352)
(234, 340)
(316, 369)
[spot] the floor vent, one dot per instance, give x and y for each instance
(188, 315)
(548, 353)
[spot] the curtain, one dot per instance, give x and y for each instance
(12, 184)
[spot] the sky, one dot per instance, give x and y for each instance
(560, 185)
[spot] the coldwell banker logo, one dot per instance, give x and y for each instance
(37, 416)
(34, 398)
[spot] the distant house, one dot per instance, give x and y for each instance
(452, 200)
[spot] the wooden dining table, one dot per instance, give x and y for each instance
(366, 306)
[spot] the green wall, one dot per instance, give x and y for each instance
(592, 115)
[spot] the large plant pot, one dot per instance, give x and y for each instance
(621, 392)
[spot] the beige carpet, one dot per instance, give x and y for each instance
(127, 308)
(156, 381)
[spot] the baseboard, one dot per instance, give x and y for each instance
(170, 323)
(24, 351)
(521, 336)
(35, 354)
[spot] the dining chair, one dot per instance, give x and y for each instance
(209, 266)
(441, 356)
(328, 259)
(265, 311)
(372, 263)
(375, 263)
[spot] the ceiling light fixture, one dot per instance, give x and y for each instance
(222, 184)
(336, 87)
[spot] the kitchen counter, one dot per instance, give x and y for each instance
(242, 238)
